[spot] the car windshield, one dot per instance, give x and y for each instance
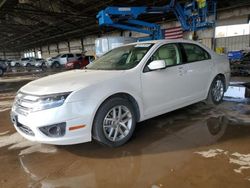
(121, 58)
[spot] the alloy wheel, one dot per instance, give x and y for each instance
(218, 90)
(117, 123)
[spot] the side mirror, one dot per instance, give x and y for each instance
(157, 64)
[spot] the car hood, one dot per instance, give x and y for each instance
(68, 81)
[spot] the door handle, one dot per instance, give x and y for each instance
(182, 70)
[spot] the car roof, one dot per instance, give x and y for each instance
(164, 41)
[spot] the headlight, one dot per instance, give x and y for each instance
(50, 101)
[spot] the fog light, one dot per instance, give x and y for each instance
(56, 130)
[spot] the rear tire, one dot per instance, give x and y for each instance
(216, 91)
(114, 122)
(43, 66)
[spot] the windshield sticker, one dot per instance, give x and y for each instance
(142, 45)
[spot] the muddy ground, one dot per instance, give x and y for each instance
(197, 146)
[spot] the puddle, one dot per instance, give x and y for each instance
(211, 153)
(17, 79)
(4, 133)
(169, 147)
(6, 99)
(5, 105)
(16, 141)
(241, 160)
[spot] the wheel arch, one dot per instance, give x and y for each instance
(127, 96)
(217, 75)
(223, 78)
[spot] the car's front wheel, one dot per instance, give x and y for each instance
(56, 65)
(217, 90)
(114, 122)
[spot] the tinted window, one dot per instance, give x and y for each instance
(195, 53)
(24, 59)
(70, 55)
(78, 55)
(65, 55)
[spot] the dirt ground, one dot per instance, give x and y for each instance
(197, 146)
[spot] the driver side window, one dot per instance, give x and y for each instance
(169, 53)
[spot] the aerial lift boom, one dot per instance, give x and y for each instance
(192, 16)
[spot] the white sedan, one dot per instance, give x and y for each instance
(127, 85)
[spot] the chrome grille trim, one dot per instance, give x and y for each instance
(23, 103)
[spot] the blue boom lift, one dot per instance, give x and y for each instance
(193, 16)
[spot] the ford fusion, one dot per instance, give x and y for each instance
(127, 85)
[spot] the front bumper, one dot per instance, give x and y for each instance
(72, 113)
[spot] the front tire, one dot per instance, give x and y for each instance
(114, 122)
(56, 65)
(216, 91)
(43, 66)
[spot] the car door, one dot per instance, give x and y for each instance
(63, 59)
(164, 90)
(198, 70)
(32, 61)
(71, 57)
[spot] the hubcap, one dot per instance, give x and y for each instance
(117, 123)
(1, 71)
(218, 90)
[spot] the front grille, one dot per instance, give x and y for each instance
(24, 103)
